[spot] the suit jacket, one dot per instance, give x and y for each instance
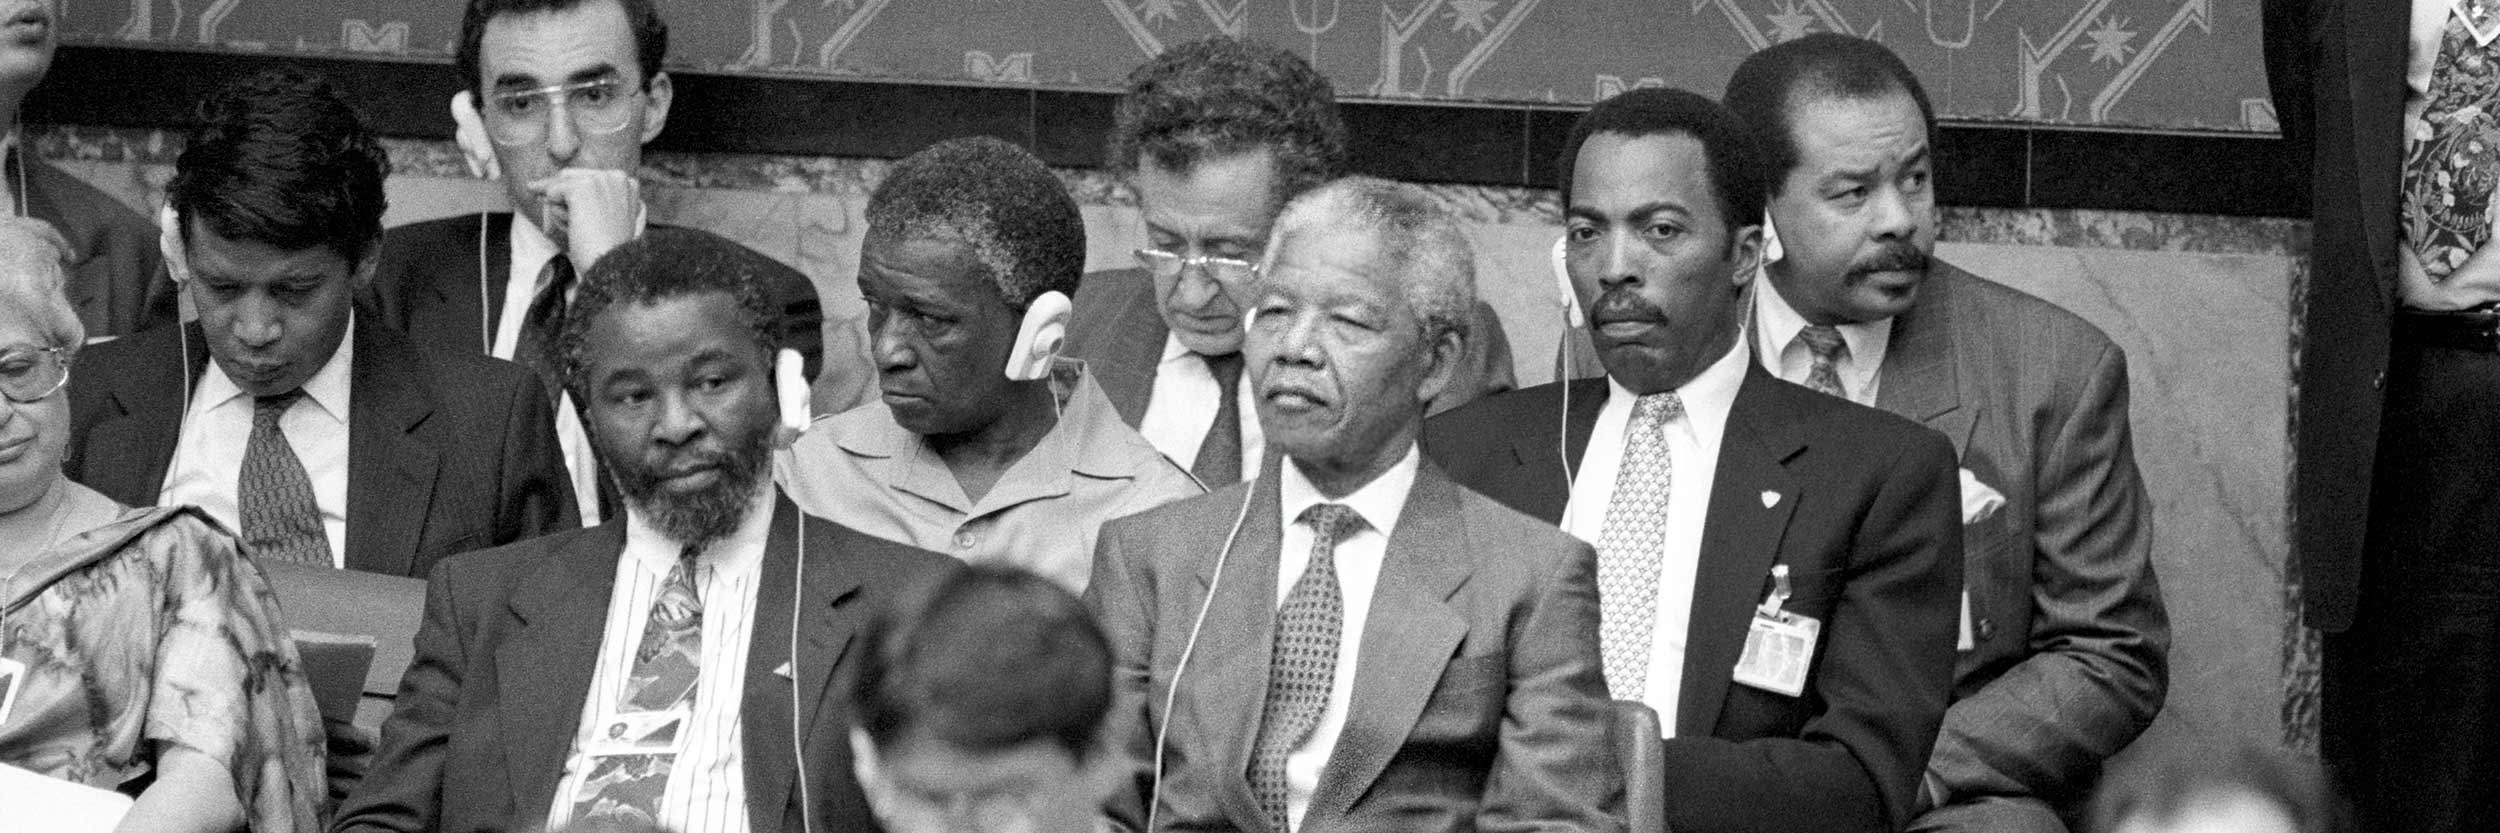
(1867, 522)
(446, 452)
(2070, 640)
(117, 282)
(1118, 329)
(491, 701)
(1477, 702)
(2337, 71)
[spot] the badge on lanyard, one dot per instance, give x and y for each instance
(1779, 646)
(12, 677)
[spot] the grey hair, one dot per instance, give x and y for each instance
(1434, 264)
(34, 273)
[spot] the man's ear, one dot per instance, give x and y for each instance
(361, 276)
(1747, 250)
(655, 101)
(1445, 352)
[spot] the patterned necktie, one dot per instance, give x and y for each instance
(667, 664)
(1824, 341)
(1304, 665)
(2452, 161)
(1632, 543)
(274, 496)
(1219, 455)
(542, 325)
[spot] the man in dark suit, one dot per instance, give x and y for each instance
(1380, 649)
(529, 654)
(1215, 136)
(320, 435)
(558, 98)
(2064, 640)
(1777, 568)
(2390, 105)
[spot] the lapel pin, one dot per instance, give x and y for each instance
(1770, 499)
(784, 672)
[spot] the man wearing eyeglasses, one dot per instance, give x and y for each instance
(558, 98)
(1214, 137)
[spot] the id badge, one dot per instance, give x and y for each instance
(1779, 645)
(642, 733)
(12, 677)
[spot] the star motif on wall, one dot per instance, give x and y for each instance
(2109, 43)
(1791, 23)
(1150, 10)
(1471, 15)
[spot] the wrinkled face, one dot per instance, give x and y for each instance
(272, 317)
(925, 785)
(33, 435)
(940, 334)
(1220, 207)
(587, 42)
(1857, 216)
(1651, 259)
(680, 403)
(1338, 358)
(26, 42)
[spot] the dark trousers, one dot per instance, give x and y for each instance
(2412, 690)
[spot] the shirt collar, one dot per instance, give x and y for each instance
(1379, 502)
(741, 550)
(1174, 350)
(1780, 322)
(1707, 397)
(328, 388)
(1084, 442)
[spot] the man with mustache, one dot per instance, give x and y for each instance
(707, 618)
(1776, 568)
(2063, 639)
(1350, 641)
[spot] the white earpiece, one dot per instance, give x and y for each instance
(1038, 337)
(791, 390)
(1564, 296)
(470, 133)
(169, 244)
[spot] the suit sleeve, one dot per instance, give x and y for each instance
(2100, 638)
(1121, 595)
(537, 493)
(1555, 770)
(2289, 26)
(403, 792)
(1885, 673)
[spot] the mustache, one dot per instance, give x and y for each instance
(1624, 305)
(1899, 256)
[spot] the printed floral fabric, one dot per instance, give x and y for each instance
(153, 631)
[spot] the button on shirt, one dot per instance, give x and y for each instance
(208, 459)
(1778, 326)
(1359, 558)
(531, 249)
(1182, 407)
(1693, 446)
(2413, 284)
(706, 790)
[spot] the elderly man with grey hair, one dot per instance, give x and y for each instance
(984, 445)
(1404, 653)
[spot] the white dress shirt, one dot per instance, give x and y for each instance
(707, 782)
(1693, 448)
(1777, 325)
(1182, 407)
(1359, 558)
(207, 467)
(531, 249)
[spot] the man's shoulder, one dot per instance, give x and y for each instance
(1185, 516)
(2014, 316)
(494, 571)
(1866, 435)
(462, 381)
(875, 560)
(426, 240)
(1510, 407)
(84, 211)
(107, 360)
(1507, 535)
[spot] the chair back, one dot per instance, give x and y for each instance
(1636, 736)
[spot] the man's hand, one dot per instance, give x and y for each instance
(589, 211)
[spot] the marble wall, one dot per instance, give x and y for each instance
(2202, 306)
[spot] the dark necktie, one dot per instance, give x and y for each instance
(540, 344)
(274, 496)
(1219, 455)
(1303, 666)
(1824, 341)
(667, 665)
(2452, 169)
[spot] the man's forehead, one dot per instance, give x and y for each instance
(1842, 130)
(1336, 260)
(554, 45)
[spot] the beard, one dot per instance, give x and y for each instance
(701, 518)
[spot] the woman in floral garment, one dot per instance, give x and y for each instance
(144, 651)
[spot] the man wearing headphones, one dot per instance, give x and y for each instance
(1351, 641)
(985, 444)
(318, 433)
(710, 620)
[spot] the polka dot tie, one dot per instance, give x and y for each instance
(1304, 665)
(1632, 543)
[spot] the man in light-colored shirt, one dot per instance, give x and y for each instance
(984, 445)
(650, 668)
(1351, 641)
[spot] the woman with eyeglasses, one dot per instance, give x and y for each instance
(140, 652)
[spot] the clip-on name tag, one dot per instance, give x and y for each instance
(1779, 646)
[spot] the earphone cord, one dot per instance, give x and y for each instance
(798, 753)
(1171, 693)
(485, 322)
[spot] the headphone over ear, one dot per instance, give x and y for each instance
(1038, 337)
(169, 244)
(470, 133)
(1564, 296)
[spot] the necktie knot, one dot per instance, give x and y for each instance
(1657, 409)
(1824, 341)
(1333, 521)
(267, 409)
(1225, 368)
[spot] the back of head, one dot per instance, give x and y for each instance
(2194, 791)
(1769, 86)
(34, 262)
(1738, 174)
(668, 263)
(282, 159)
(1220, 97)
(1412, 236)
(650, 34)
(999, 201)
(985, 660)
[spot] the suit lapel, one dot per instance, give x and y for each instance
(1738, 544)
(1230, 668)
(126, 455)
(1922, 373)
(1408, 638)
(1545, 462)
(823, 638)
(1125, 366)
(469, 294)
(390, 475)
(560, 617)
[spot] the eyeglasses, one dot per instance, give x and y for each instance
(1230, 272)
(30, 376)
(520, 117)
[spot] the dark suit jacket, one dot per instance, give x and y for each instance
(446, 453)
(1868, 525)
(2337, 70)
(1118, 330)
(1478, 703)
(504, 660)
(117, 283)
(2070, 640)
